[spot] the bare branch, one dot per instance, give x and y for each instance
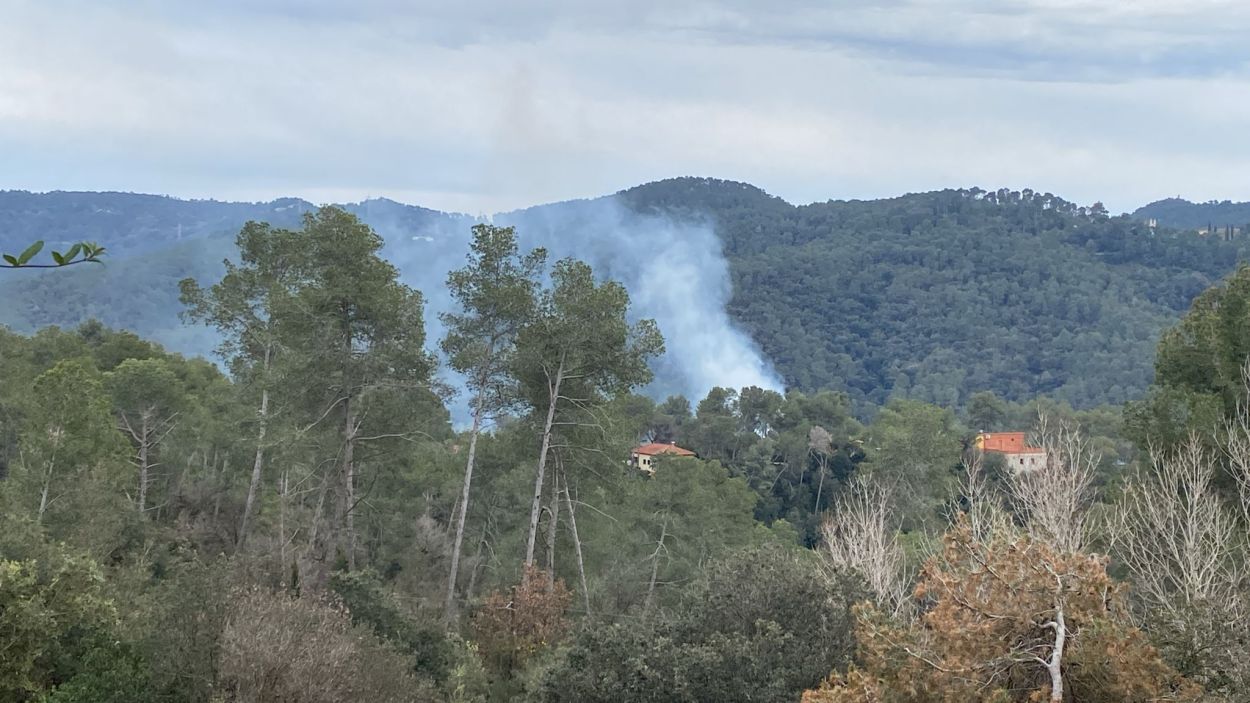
(1173, 533)
(861, 536)
(1056, 498)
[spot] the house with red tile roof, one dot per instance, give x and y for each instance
(642, 456)
(1014, 448)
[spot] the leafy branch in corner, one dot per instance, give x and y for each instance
(80, 253)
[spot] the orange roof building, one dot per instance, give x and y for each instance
(642, 455)
(1013, 447)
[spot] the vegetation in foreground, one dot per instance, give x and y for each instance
(312, 528)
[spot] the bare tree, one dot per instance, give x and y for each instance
(1237, 449)
(1182, 547)
(1174, 534)
(982, 504)
(1055, 499)
(861, 535)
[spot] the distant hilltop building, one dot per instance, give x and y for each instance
(1013, 448)
(642, 455)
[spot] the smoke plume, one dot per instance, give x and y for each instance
(674, 271)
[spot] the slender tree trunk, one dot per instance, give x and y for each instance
(259, 459)
(1055, 665)
(43, 495)
(820, 486)
(319, 549)
(349, 481)
(175, 489)
(282, 498)
(346, 490)
(655, 566)
(449, 607)
(577, 545)
(218, 481)
(143, 463)
(554, 509)
(47, 478)
(221, 477)
(536, 505)
(477, 565)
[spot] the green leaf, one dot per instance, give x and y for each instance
(73, 251)
(60, 260)
(11, 259)
(29, 253)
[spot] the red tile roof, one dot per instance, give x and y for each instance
(660, 448)
(1006, 443)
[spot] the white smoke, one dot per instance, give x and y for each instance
(675, 273)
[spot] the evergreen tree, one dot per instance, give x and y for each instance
(497, 294)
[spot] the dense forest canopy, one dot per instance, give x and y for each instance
(310, 526)
(931, 296)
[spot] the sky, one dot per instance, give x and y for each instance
(482, 107)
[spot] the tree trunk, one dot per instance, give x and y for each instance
(551, 527)
(222, 477)
(655, 566)
(143, 463)
(1055, 665)
(820, 487)
(477, 565)
(175, 489)
(218, 482)
(577, 545)
(43, 495)
(47, 478)
(449, 607)
(349, 481)
(258, 461)
(282, 498)
(320, 547)
(536, 505)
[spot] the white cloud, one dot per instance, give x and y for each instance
(481, 107)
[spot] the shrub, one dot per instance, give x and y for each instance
(278, 649)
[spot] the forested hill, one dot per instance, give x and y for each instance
(936, 295)
(932, 295)
(1180, 213)
(128, 223)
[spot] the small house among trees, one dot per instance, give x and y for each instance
(1014, 449)
(641, 457)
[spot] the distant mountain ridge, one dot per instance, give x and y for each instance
(128, 223)
(1183, 214)
(927, 295)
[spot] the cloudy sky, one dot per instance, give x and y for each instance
(486, 106)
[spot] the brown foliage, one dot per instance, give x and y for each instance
(511, 626)
(989, 628)
(282, 649)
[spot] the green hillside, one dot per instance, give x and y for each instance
(1181, 213)
(933, 295)
(128, 223)
(939, 295)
